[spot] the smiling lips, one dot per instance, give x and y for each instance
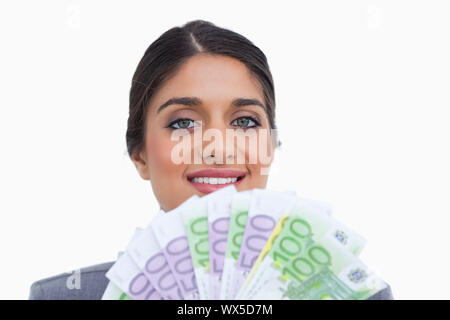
(209, 180)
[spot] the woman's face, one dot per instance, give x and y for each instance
(212, 83)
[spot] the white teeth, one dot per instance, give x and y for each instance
(211, 180)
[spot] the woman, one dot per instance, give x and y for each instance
(197, 77)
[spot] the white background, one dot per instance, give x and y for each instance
(362, 90)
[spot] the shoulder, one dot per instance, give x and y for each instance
(87, 283)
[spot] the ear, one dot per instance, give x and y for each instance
(142, 165)
(278, 145)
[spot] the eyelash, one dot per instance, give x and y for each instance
(171, 124)
(256, 122)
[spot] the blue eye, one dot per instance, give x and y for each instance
(182, 124)
(245, 122)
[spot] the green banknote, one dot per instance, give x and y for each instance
(295, 232)
(113, 292)
(324, 270)
(253, 244)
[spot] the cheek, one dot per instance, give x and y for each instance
(159, 149)
(260, 170)
(257, 146)
(263, 150)
(257, 178)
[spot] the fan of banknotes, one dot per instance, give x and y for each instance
(255, 244)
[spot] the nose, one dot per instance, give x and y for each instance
(210, 157)
(217, 146)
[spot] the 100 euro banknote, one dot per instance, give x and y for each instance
(113, 292)
(324, 270)
(295, 232)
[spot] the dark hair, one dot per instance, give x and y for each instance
(166, 55)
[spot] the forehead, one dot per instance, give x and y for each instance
(215, 79)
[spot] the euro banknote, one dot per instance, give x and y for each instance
(219, 209)
(296, 230)
(251, 244)
(129, 278)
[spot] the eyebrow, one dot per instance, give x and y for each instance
(193, 101)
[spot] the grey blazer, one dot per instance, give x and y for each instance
(93, 283)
